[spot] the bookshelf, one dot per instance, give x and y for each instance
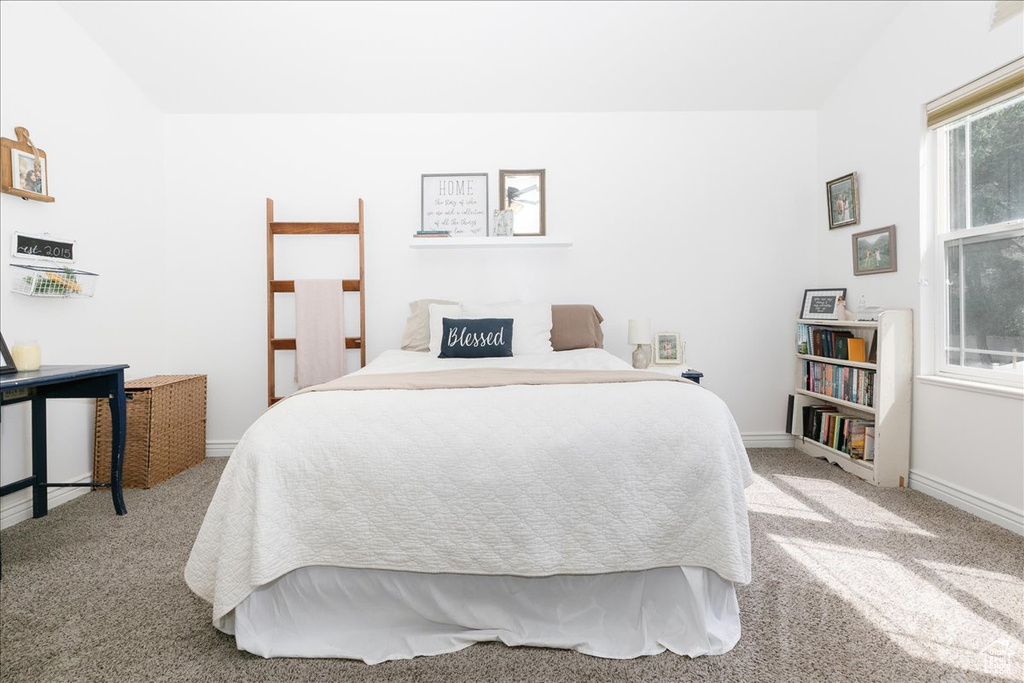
(850, 394)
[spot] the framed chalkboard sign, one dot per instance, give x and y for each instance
(45, 247)
(822, 304)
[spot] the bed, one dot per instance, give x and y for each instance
(420, 505)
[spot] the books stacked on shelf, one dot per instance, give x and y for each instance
(836, 381)
(433, 233)
(847, 434)
(829, 343)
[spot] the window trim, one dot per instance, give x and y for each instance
(943, 236)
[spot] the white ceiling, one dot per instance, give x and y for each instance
(326, 57)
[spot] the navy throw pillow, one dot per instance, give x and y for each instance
(476, 338)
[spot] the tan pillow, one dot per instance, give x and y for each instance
(417, 328)
(576, 326)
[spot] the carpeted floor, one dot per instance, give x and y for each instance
(851, 583)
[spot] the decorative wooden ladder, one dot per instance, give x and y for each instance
(279, 286)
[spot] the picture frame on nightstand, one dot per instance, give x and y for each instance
(668, 348)
(6, 361)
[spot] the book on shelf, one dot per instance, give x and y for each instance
(822, 341)
(433, 233)
(855, 350)
(842, 352)
(839, 431)
(869, 442)
(854, 385)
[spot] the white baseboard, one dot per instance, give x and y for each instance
(975, 503)
(767, 440)
(20, 509)
(220, 449)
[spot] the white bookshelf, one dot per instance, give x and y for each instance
(891, 401)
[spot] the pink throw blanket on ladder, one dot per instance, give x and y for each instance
(319, 331)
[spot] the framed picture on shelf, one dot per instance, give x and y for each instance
(668, 349)
(456, 203)
(523, 193)
(6, 362)
(843, 202)
(874, 251)
(23, 168)
(822, 304)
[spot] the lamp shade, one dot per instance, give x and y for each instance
(640, 331)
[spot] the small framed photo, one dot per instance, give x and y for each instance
(822, 304)
(668, 349)
(454, 203)
(843, 202)
(23, 168)
(6, 362)
(28, 173)
(874, 251)
(523, 193)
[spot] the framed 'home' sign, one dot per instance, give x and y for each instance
(455, 203)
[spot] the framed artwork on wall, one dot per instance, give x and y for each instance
(454, 202)
(822, 304)
(523, 193)
(843, 202)
(874, 251)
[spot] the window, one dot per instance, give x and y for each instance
(980, 212)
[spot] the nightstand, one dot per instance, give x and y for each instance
(678, 370)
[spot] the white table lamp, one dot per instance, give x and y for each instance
(640, 334)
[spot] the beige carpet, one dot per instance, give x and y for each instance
(851, 583)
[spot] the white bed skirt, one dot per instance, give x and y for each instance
(377, 615)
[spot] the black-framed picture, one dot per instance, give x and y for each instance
(874, 251)
(6, 362)
(843, 202)
(523, 193)
(454, 203)
(822, 304)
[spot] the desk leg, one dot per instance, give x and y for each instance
(118, 418)
(39, 507)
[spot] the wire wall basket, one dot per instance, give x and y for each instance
(51, 281)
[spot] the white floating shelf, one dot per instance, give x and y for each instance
(485, 242)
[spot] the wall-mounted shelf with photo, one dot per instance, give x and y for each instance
(23, 169)
(486, 242)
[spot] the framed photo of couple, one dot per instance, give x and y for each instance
(23, 168)
(843, 202)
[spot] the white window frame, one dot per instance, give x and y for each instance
(944, 236)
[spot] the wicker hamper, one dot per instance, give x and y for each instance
(166, 430)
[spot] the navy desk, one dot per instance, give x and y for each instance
(67, 381)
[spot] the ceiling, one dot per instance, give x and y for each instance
(333, 57)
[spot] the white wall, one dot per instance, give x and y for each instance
(696, 220)
(874, 123)
(103, 144)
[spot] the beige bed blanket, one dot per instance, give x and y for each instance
(479, 378)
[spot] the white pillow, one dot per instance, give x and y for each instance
(531, 331)
(437, 314)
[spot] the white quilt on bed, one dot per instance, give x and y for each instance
(520, 480)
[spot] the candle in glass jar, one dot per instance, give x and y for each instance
(27, 355)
